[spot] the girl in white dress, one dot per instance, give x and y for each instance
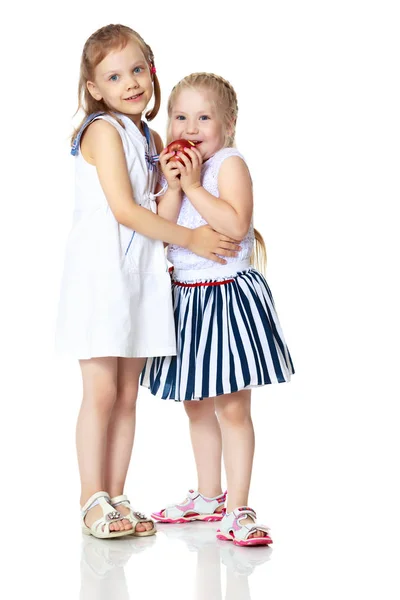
(115, 304)
(229, 338)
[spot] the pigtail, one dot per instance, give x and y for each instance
(157, 99)
(259, 255)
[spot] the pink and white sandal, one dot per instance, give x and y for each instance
(233, 531)
(196, 507)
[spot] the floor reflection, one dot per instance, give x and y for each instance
(102, 566)
(240, 563)
(103, 563)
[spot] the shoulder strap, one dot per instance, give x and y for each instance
(85, 124)
(151, 160)
(147, 133)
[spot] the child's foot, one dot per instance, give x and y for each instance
(258, 532)
(195, 507)
(241, 528)
(100, 519)
(96, 513)
(145, 526)
(142, 526)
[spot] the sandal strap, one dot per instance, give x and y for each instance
(107, 518)
(232, 523)
(257, 527)
(86, 507)
(109, 513)
(194, 502)
(99, 525)
(138, 517)
(119, 499)
(134, 515)
(245, 511)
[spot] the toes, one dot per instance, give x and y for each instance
(258, 534)
(145, 526)
(118, 526)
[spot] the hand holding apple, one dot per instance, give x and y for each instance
(170, 170)
(189, 167)
(179, 146)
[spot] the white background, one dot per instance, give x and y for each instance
(318, 89)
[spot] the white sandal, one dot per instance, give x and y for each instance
(134, 516)
(101, 527)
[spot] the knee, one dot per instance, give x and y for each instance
(102, 400)
(126, 399)
(233, 413)
(199, 410)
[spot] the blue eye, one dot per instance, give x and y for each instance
(180, 118)
(204, 118)
(137, 69)
(114, 78)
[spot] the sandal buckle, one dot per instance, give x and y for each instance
(138, 515)
(113, 516)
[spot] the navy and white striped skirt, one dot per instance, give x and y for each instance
(228, 336)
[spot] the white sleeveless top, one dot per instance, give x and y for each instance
(116, 290)
(184, 259)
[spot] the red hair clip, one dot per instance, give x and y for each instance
(153, 70)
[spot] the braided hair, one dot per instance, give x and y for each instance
(224, 95)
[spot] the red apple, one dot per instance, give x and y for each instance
(179, 146)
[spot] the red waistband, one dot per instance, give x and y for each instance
(206, 283)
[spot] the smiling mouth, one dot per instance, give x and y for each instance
(135, 96)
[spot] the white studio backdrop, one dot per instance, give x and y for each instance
(318, 91)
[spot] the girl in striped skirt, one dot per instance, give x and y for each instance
(229, 338)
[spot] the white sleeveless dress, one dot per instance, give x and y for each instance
(116, 290)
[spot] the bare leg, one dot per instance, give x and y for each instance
(121, 430)
(99, 376)
(234, 415)
(205, 434)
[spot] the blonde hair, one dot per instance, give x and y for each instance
(258, 257)
(97, 46)
(224, 97)
(226, 105)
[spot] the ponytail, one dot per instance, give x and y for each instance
(259, 255)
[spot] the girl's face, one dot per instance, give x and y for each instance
(123, 81)
(194, 117)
